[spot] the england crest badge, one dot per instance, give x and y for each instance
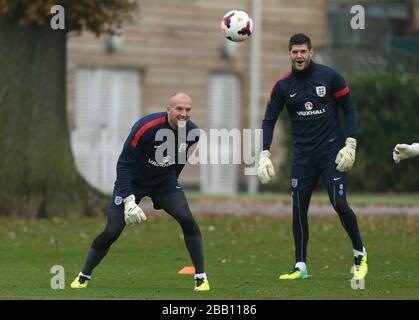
(118, 200)
(321, 91)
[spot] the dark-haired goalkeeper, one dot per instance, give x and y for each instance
(142, 172)
(313, 95)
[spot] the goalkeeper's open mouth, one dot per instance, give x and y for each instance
(299, 64)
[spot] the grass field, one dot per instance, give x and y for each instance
(320, 197)
(243, 259)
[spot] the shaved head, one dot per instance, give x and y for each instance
(179, 97)
(179, 109)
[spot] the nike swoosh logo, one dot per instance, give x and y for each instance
(336, 179)
(293, 95)
(155, 147)
(178, 187)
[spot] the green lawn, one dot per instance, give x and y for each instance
(320, 197)
(244, 256)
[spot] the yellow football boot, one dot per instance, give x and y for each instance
(201, 285)
(361, 267)
(80, 282)
(294, 274)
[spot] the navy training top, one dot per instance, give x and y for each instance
(312, 97)
(138, 165)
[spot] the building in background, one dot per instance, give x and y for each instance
(389, 41)
(177, 45)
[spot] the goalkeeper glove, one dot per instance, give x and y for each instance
(265, 169)
(405, 151)
(132, 212)
(346, 156)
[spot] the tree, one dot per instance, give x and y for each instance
(38, 177)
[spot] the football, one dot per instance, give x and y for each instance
(236, 25)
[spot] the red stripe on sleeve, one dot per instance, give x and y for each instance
(341, 93)
(144, 128)
(285, 75)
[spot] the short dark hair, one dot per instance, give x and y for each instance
(299, 38)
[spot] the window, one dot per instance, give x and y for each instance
(223, 113)
(108, 102)
(383, 20)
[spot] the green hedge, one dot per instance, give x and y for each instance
(388, 113)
